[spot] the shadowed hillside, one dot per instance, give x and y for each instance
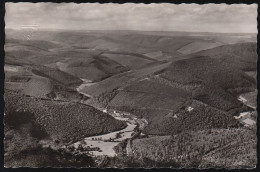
(64, 121)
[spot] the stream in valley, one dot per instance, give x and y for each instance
(106, 142)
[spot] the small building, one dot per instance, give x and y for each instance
(190, 108)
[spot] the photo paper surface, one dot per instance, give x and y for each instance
(130, 85)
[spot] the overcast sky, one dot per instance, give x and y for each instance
(152, 17)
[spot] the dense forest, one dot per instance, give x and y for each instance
(214, 148)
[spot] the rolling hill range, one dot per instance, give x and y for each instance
(203, 77)
(146, 90)
(120, 65)
(168, 43)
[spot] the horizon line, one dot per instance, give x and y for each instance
(84, 30)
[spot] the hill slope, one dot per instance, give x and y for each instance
(226, 148)
(206, 84)
(64, 121)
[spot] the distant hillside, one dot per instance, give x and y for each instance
(198, 46)
(209, 82)
(132, 61)
(149, 95)
(195, 116)
(95, 68)
(201, 66)
(243, 55)
(42, 82)
(56, 75)
(136, 41)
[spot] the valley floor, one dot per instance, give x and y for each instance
(107, 142)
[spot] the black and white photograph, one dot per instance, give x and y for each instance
(130, 85)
